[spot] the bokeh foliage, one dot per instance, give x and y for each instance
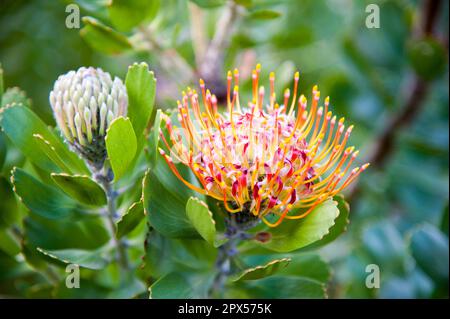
(399, 216)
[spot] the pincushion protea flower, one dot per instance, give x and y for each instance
(266, 158)
(84, 104)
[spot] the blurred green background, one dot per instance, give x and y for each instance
(399, 211)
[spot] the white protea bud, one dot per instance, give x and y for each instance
(84, 104)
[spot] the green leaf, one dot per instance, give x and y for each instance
(121, 145)
(20, 124)
(263, 271)
(202, 219)
(294, 234)
(340, 224)
(40, 198)
(308, 265)
(8, 243)
(3, 150)
(154, 139)
(165, 202)
(92, 5)
(130, 288)
(87, 290)
(429, 247)
(88, 233)
(126, 14)
(51, 153)
(141, 90)
(130, 220)
(91, 259)
(428, 57)
(264, 15)
(444, 220)
(245, 3)
(208, 4)
(15, 95)
(171, 286)
(2, 86)
(282, 287)
(102, 38)
(81, 188)
(9, 213)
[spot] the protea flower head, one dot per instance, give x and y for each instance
(264, 159)
(84, 104)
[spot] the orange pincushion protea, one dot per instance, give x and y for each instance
(265, 158)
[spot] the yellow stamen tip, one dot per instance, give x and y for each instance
(303, 99)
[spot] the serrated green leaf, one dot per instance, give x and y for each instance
(295, 234)
(130, 220)
(103, 38)
(262, 271)
(127, 14)
(41, 199)
(15, 95)
(20, 124)
(81, 188)
(171, 286)
(9, 213)
(308, 265)
(429, 247)
(202, 219)
(340, 224)
(91, 259)
(121, 145)
(282, 287)
(87, 233)
(51, 153)
(141, 90)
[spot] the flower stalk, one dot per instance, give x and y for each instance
(236, 226)
(105, 179)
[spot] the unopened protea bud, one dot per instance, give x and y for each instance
(84, 104)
